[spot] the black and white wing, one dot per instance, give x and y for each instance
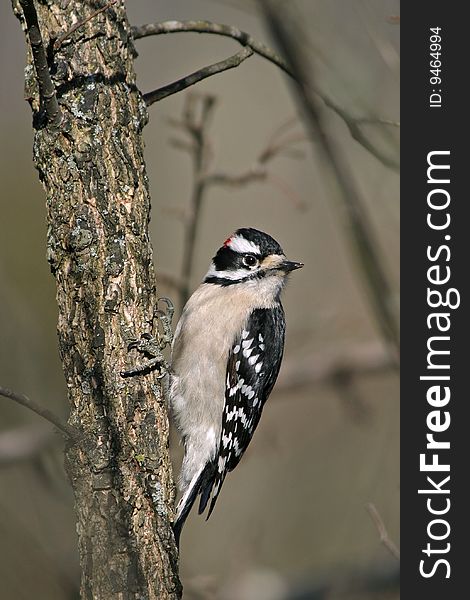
(252, 369)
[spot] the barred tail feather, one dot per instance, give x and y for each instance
(210, 487)
(214, 490)
(201, 484)
(205, 495)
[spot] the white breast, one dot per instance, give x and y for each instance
(211, 320)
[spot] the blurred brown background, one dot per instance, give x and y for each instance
(291, 520)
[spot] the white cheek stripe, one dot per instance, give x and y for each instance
(232, 275)
(240, 244)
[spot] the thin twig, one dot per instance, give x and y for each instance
(45, 413)
(276, 146)
(377, 121)
(204, 73)
(359, 228)
(384, 537)
(47, 95)
(239, 179)
(273, 149)
(256, 173)
(61, 39)
(327, 365)
(197, 129)
(354, 126)
(245, 39)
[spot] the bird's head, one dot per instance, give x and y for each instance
(249, 255)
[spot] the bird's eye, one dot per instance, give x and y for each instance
(249, 260)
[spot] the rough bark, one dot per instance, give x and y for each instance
(93, 171)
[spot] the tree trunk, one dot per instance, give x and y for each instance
(93, 171)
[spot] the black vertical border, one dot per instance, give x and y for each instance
(425, 129)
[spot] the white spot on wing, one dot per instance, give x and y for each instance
(231, 414)
(241, 414)
(226, 439)
(236, 449)
(253, 359)
(246, 389)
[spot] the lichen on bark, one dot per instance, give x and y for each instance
(98, 209)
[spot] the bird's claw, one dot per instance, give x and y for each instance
(153, 347)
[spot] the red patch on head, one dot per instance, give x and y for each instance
(227, 241)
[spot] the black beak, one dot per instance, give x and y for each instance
(288, 266)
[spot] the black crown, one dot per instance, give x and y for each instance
(266, 243)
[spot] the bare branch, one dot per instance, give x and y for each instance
(47, 95)
(338, 367)
(354, 126)
(377, 121)
(358, 226)
(328, 365)
(45, 413)
(235, 180)
(274, 149)
(245, 39)
(197, 129)
(61, 39)
(185, 82)
(384, 537)
(276, 146)
(252, 175)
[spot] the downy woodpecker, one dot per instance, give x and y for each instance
(226, 354)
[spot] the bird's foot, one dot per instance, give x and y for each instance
(153, 346)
